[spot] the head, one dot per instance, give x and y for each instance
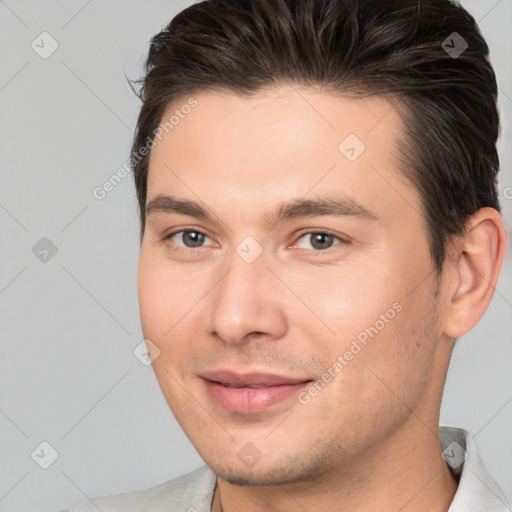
(317, 193)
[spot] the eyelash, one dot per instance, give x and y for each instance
(302, 234)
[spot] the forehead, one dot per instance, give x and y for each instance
(275, 116)
(280, 143)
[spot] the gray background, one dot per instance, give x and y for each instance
(69, 325)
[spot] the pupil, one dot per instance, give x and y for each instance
(195, 238)
(321, 238)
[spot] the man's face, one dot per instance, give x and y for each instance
(289, 348)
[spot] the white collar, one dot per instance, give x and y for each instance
(477, 491)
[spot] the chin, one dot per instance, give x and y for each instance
(271, 473)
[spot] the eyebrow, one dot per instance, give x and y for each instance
(296, 208)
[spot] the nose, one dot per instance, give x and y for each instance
(247, 303)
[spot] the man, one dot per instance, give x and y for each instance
(319, 224)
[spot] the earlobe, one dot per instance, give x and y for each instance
(474, 267)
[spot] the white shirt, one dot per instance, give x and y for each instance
(193, 492)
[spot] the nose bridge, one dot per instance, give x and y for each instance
(241, 302)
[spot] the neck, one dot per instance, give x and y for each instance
(405, 472)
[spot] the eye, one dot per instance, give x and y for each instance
(189, 238)
(319, 240)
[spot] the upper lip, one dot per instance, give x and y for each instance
(240, 380)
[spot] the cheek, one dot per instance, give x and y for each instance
(377, 382)
(161, 305)
(345, 299)
(169, 304)
(391, 371)
(159, 296)
(369, 321)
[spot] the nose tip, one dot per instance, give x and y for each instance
(241, 307)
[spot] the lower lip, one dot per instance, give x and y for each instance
(251, 400)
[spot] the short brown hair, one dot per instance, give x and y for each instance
(399, 48)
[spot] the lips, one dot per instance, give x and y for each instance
(250, 393)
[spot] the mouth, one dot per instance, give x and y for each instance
(250, 393)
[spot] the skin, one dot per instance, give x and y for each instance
(369, 440)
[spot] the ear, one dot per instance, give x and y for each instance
(471, 271)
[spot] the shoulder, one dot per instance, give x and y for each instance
(190, 492)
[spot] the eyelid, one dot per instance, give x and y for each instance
(301, 234)
(341, 239)
(172, 233)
